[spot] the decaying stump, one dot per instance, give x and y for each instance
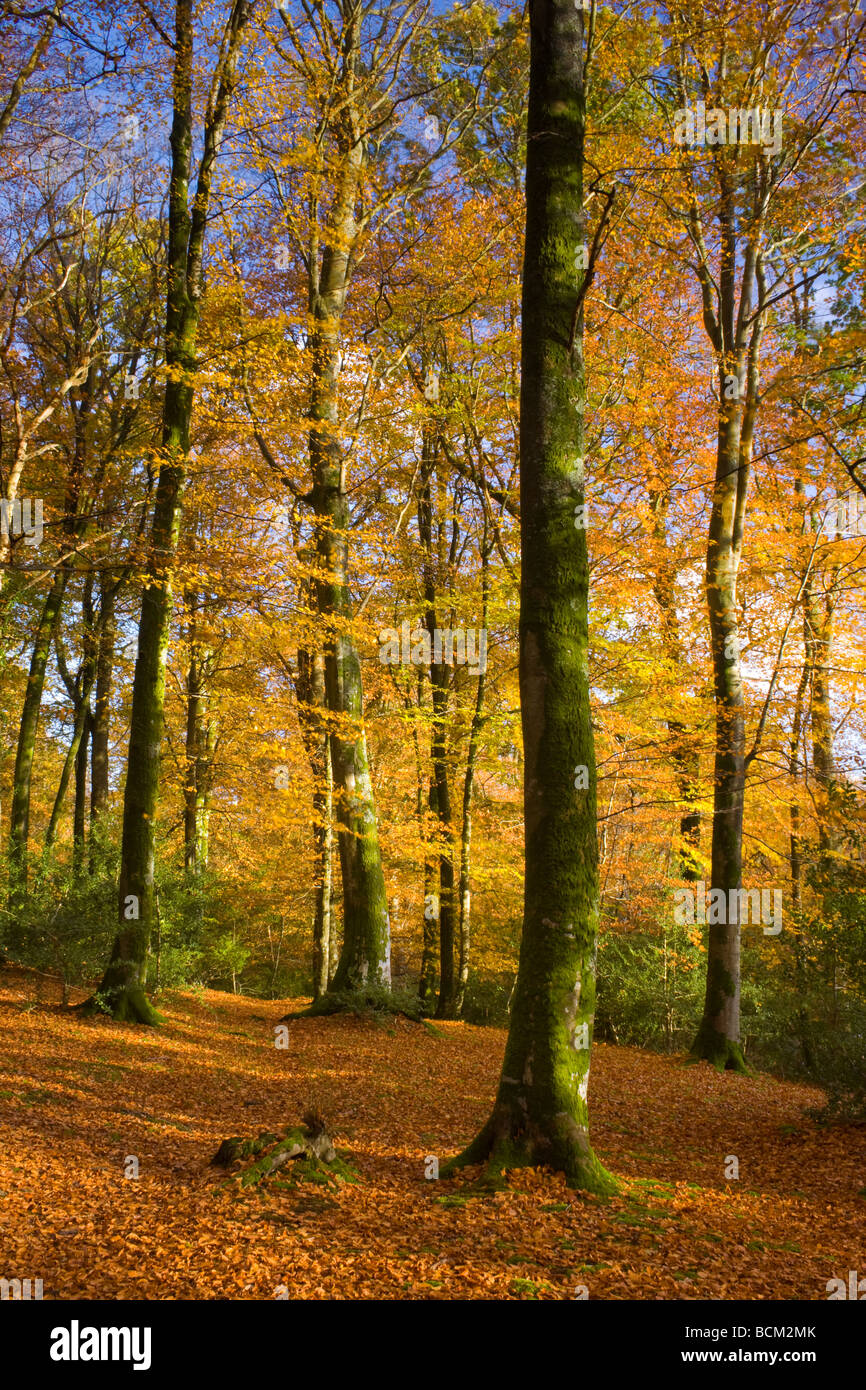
(308, 1144)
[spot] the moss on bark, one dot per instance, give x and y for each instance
(540, 1116)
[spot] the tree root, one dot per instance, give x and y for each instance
(721, 1052)
(502, 1145)
(130, 1005)
(363, 1003)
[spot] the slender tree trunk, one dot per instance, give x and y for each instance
(76, 758)
(19, 828)
(818, 636)
(322, 805)
(79, 813)
(312, 707)
(72, 760)
(440, 783)
(737, 340)
(200, 742)
(365, 958)
(718, 1038)
(540, 1116)
(797, 863)
(685, 760)
(463, 892)
(428, 978)
(101, 726)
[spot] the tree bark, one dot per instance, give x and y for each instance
(79, 812)
(312, 706)
(735, 333)
(440, 782)
(540, 1116)
(19, 828)
(101, 726)
(121, 991)
(463, 892)
(200, 742)
(365, 958)
(682, 752)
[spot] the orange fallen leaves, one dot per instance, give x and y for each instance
(78, 1097)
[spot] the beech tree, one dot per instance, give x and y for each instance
(121, 991)
(541, 1112)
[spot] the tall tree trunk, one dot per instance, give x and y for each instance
(19, 828)
(72, 760)
(463, 892)
(79, 813)
(440, 783)
(818, 637)
(718, 1037)
(736, 337)
(121, 991)
(200, 741)
(312, 705)
(101, 725)
(79, 690)
(365, 959)
(428, 978)
(796, 860)
(683, 755)
(541, 1116)
(323, 807)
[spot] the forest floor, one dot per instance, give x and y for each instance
(78, 1097)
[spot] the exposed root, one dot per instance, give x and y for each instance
(721, 1052)
(130, 1005)
(502, 1146)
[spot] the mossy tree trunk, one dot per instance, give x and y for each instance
(312, 716)
(431, 529)
(428, 978)
(734, 311)
(463, 893)
(19, 826)
(683, 753)
(78, 688)
(79, 813)
(365, 958)
(101, 728)
(200, 747)
(121, 991)
(323, 943)
(74, 760)
(818, 612)
(541, 1116)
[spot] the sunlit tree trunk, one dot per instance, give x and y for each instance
(121, 991)
(101, 730)
(312, 715)
(541, 1115)
(440, 782)
(735, 327)
(200, 744)
(463, 892)
(19, 827)
(365, 958)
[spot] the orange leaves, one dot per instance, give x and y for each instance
(393, 1094)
